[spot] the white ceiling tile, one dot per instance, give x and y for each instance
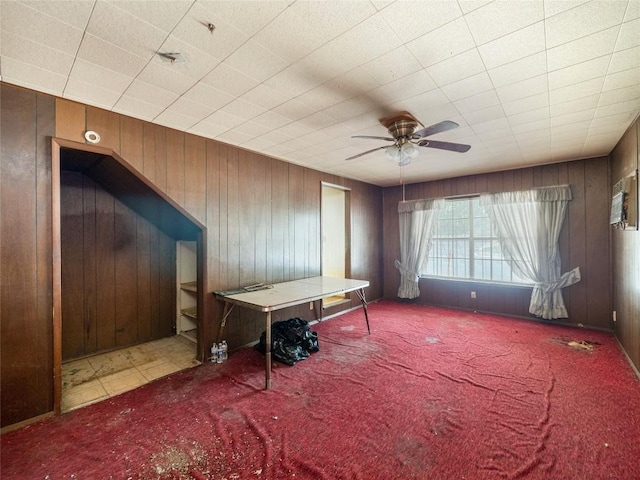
(150, 94)
(583, 49)
(27, 51)
(443, 43)
(163, 14)
(523, 89)
(265, 96)
(583, 20)
(573, 118)
(325, 96)
(197, 62)
(526, 104)
(628, 36)
(26, 22)
(406, 20)
(333, 18)
(461, 66)
(251, 129)
(296, 79)
(224, 119)
(578, 90)
(72, 13)
(491, 126)
(406, 87)
(625, 78)
(207, 130)
(30, 76)
(137, 108)
(470, 5)
(248, 17)
(620, 95)
(528, 117)
(218, 44)
(99, 76)
(468, 87)
(166, 76)
(485, 115)
(175, 120)
(256, 61)
(243, 109)
(390, 66)
(630, 107)
(615, 119)
(188, 108)
(88, 92)
(290, 36)
(119, 28)
(229, 80)
(519, 70)
(625, 59)
(347, 109)
(208, 96)
(576, 105)
(477, 102)
(293, 110)
(520, 44)
(498, 19)
(272, 119)
(111, 57)
(580, 72)
(558, 6)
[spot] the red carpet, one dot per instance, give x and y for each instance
(431, 394)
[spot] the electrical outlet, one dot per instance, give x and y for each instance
(310, 305)
(473, 294)
(614, 316)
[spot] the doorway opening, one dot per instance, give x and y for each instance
(336, 237)
(115, 237)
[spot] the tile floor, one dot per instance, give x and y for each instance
(97, 378)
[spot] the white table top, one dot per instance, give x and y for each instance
(296, 292)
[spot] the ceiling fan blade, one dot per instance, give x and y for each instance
(388, 139)
(364, 153)
(454, 147)
(436, 128)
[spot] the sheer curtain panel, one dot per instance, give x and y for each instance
(417, 219)
(528, 224)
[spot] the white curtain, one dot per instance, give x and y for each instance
(528, 224)
(417, 219)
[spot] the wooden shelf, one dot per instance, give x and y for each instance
(191, 312)
(189, 286)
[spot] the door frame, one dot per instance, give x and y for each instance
(136, 180)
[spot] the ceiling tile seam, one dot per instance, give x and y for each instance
(75, 57)
(486, 70)
(584, 146)
(167, 36)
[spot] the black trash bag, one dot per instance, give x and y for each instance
(291, 341)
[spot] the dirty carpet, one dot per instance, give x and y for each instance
(430, 394)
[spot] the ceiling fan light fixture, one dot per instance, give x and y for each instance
(409, 150)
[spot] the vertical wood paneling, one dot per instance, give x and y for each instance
(131, 141)
(126, 293)
(26, 363)
(107, 125)
(583, 241)
(246, 215)
(195, 176)
(143, 270)
(105, 268)
(89, 254)
(175, 165)
(284, 234)
(625, 160)
(71, 120)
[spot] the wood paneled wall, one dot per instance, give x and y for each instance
(262, 217)
(584, 241)
(118, 272)
(26, 326)
(625, 159)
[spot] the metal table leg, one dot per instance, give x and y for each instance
(361, 296)
(267, 353)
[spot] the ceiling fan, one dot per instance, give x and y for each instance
(402, 128)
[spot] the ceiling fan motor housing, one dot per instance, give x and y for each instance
(401, 124)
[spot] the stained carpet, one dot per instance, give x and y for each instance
(430, 394)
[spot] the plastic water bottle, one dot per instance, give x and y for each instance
(223, 351)
(214, 353)
(219, 355)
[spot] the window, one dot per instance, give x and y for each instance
(465, 245)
